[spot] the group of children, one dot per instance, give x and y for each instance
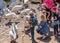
(53, 15)
(50, 18)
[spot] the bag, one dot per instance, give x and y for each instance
(40, 27)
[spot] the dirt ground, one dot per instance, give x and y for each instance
(22, 37)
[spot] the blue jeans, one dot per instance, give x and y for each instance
(32, 33)
(55, 29)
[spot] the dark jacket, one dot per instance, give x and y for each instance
(34, 21)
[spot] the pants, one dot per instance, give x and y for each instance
(59, 23)
(32, 33)
(55, 29)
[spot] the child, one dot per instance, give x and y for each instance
(27, 25)
(54, 19)
(33, 22)
(43, 26)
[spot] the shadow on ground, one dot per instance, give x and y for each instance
(13, 41)
(58, 38)
(47, 39)
(27, 32)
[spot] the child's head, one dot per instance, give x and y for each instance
(31, 14)
(43, 17)
(27, 17)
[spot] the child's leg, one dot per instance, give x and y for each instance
(55, 30)
(59, 24)
(44, 36)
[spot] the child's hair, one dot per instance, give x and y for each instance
(27, 17)
(43, 17)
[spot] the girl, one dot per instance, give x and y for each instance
(54, 20)
(43, 26)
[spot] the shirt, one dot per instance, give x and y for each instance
(55, 15)
(34, 20)
(49, 3)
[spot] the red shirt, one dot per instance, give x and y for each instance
(49, 3)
